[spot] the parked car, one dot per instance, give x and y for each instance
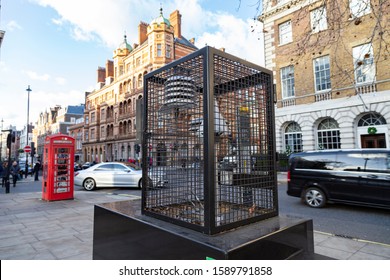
(359, 176)
(158, 178)
(229, 162)
(86, 165)
(108, 174)
(77, 167)
(22, 166)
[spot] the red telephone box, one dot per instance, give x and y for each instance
(58, 167)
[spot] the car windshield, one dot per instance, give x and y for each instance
(114, 167)
(132, 166)
(105, 167)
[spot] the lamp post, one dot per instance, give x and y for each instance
(28, 113)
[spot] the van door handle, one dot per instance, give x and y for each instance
(372, 176)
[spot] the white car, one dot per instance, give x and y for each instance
(108, 174)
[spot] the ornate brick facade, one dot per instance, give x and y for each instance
(110, 110)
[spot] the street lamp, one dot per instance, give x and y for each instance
(28, 113)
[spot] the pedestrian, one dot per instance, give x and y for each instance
(5, 172)
(5, 176)
(15, 168)
(2, 174)
(37, 167)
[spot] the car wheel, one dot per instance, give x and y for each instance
(314, 197)
(140, 183)
(89, 184)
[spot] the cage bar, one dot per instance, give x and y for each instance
(208, 147)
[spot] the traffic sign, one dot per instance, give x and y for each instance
(27, 149)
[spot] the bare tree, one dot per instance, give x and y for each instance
(330, 26)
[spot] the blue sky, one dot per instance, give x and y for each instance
(56, 46)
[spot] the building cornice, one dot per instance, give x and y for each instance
(277, 9)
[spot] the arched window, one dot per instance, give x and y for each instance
(293, 138)
(120, 128)
(125, 107)
(328, 134)
(122, 153)
(130, 128)
(129, 108)
(124, 128)
(129, 86)
(371, 119)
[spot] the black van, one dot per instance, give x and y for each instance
(358, 176)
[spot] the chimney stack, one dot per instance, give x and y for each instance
(109, 69)
(142, 31)
(101, 74)
(175, 20)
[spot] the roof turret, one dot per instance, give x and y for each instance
(125, 45)
(161, 20)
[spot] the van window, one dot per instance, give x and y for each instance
(377, 162)
(350, 162)
(319, 161)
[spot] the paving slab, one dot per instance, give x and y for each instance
(33, 229)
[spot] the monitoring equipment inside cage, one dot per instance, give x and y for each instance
(209, 142)
(179, 92)
(220, 126)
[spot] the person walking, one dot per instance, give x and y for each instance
(5, 177)
(5, 173)
(2, 173)
(15, 169)
(37, 167)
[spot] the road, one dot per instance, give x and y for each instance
(344, 220)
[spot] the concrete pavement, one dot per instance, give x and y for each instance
(33, 229)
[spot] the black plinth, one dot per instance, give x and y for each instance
(122, 233)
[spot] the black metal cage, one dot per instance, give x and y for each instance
(208, 147)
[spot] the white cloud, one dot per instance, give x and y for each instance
(57, 21)
(80, 35)
(13, 25)
(104, 19)
(107, 21)
(43, 100)
(236, 37)
(221, 30)
(35, 76)
(60, 80)
(3, 67)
